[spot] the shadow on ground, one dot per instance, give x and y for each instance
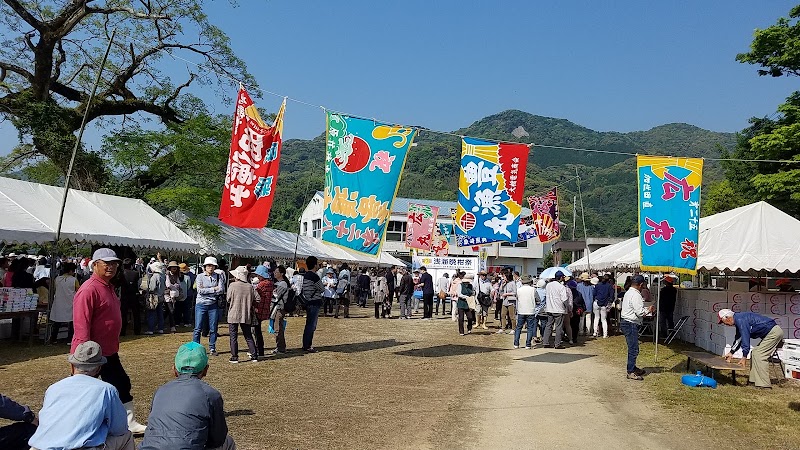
(356, 347)
(556, 358)
(447, 350)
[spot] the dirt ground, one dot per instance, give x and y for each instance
(397, 384)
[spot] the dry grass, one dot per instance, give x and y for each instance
(750, 417)
(369, 386)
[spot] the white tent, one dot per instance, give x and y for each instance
(268, 242)
(753, 237)
(30, 215)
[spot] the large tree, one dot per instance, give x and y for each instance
(50, 53)
(776, 50)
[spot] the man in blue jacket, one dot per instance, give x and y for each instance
(751, 325)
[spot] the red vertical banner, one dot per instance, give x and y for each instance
(253, 163)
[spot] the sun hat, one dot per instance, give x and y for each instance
(329, 271)
(104, 254)
(184, 267)
(724, 313)
(469, 276)
(584, 276)
(263, 272)
(191, 358)
(669, 279)
(240, 273)
(210, 261)
(594, 280)
(157, 267)
(87, 355)
(173, 264)
(540, 284)
(526, 279)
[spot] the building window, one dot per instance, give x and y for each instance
(523, 244)
(316, 228)
(396, 231)
(305, 229)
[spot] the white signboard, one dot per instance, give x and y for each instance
(465, 263)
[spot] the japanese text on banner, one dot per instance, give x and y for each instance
(252, 173)
(544, 214)
(490, 190)
(669, 212)
(363, 164)
(420, 226)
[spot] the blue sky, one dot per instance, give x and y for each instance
(621, 65)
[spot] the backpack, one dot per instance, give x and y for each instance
(290, 304)
(466, 289)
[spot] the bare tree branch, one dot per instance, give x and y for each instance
(132, 12)
(16, 69)
(178, 90)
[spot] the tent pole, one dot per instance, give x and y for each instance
(52, 290)
(657, 314)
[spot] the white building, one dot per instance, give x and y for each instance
(526, 257)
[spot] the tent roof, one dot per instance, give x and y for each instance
(269, 242)
(30, 214)
(753, 237)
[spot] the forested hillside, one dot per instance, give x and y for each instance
(608, 181)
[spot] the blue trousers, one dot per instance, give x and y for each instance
(155, 315)
(631, 332)
(312, 315)
(530, 320)
(203, 313)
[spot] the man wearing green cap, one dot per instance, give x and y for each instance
(187, 413)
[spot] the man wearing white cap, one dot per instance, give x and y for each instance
(210, 285)
(97, 316)
(81, 411)
(751, 325)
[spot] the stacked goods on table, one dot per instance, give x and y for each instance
(14, 300)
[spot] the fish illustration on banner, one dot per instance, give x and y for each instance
(252, 174)
(669, 213)
(490, 191)
(363, 164)
(544, 213)
(419, 229)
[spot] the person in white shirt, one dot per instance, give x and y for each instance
(526, 306)
(633, 310)
(484, 299)
(442, 289)
(556, 298)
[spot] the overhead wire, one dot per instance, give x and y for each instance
(529, 144)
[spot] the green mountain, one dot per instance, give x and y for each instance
(607, 180)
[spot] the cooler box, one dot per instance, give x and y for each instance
(792, 372)
(791, 351)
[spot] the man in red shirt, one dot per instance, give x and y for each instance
(97, 316)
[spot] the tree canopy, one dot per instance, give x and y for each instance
(50, 53)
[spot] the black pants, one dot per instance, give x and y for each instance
(16, 435)
(342, 301)
(131, 304)
(259, 338)
(327, 305)
(575, 324)
(57, 327)
(427, 306)
(470, 316)
(233, 329)
(114, 374)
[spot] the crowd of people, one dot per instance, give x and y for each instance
(94, 301)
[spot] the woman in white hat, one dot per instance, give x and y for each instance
(210, 285)
(241, 301)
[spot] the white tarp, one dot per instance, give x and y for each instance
(30, 215)
(753, 237)
(269, 242)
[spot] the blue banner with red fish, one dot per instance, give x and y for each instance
(363, 164)
(669, 213)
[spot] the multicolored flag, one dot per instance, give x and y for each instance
(252, 174)
(419, 229)
(526, 229)
(441, 240)
(490, 190)
(363, 164)
(544, 212)
(669, 213)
